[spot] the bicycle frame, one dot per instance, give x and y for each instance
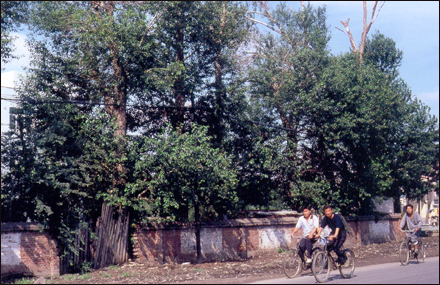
(324, 262)
(301, 256)
(407, 249)
(294, 262)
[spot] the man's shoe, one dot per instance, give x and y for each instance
(308, 260)
(341, 263)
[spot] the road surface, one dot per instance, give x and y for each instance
(388, 273)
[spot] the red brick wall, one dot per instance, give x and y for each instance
(234, 243)
(241, 238)
(171, 244)
(38, 253)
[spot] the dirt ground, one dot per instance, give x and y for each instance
(262, 266)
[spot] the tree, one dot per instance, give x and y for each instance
(54, 165)
(94, 52)
(351, 122)
(198, 40)
(287, 66)
(415, 149)
(381, 52)
(181, 177)
(13, 14)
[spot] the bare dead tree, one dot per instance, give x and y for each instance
(365, 30)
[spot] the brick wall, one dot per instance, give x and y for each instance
(28, 250)
(242, 238)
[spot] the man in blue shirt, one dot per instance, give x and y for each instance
(338, 234)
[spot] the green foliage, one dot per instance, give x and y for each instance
(13, 14)
(176, 173)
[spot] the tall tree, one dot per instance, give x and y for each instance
(287, 66)
(96, 52)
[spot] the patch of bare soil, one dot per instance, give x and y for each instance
(262, 266)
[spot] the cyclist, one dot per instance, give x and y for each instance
(414, 222)
(309, 224)
(338, 233)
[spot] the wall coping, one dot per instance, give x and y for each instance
(379, 216)
(21, 227)
(241, 222)
(250, 222)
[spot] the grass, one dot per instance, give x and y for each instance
(25, 281)
(126, 274)
(69, 276)
(84, 276)
(113, 267)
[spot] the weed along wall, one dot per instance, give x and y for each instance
(28, 250)
(242, 238)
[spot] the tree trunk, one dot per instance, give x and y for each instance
(365, 29)
(219, 97)
(219, 87)
(197, 225)
(179, 96)
(112, 243)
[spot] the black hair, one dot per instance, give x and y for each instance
(306, 207)
(409, 205)
(326, 207)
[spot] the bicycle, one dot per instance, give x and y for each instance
(293, 263)
(407, 250)
(323, 262)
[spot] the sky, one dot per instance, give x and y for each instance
(413, 25)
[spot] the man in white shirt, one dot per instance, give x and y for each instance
(309, 224)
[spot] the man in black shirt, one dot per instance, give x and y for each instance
(338, 234)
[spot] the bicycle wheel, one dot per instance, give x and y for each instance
(422, 252)
(291, 264)
(347, 269)
(321, 267)
(305, 265)
(404, 253)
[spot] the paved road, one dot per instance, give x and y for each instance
(388, 273)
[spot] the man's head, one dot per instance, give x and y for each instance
(409, 209)
(307, 212)
(328, 211)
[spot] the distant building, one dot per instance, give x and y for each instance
(9, 81)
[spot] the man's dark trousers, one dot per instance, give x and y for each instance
(336, 245)
(307, 244)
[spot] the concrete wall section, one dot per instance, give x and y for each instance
(11, 249)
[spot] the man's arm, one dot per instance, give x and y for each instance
(419, 222)
(319, 232)
(295, 230)
(321, 227)
(298, 226)
(315, 225)
(335, 235)
(403, 221)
